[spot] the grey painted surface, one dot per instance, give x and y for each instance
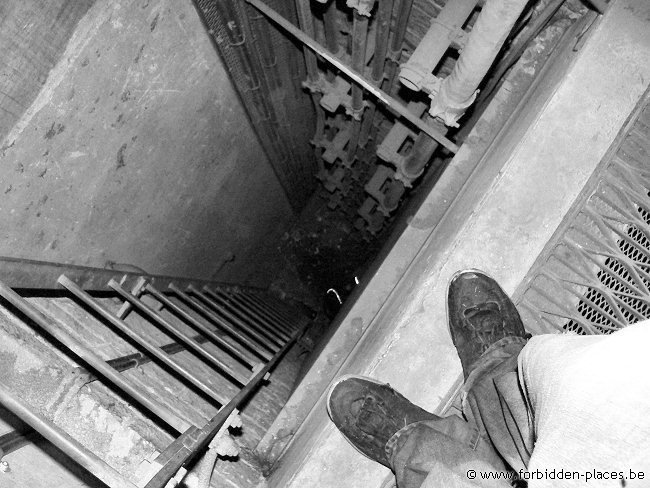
(137, 151)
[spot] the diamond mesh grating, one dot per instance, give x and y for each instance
(595, 276)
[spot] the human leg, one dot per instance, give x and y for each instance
(415, 444)
(422, 448)
(591, 400)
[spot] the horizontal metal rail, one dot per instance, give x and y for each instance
(130, 361)
(286, 323)
(185, 448)
(249, 313)
(258, 349)
(270, 331)
(144, 342)
(217, 338)
(20, 273)
(271, 344)
(89, 357)
(189, 342)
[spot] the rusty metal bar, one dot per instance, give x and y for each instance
(258, 349)
(256, 322)
(63, 441)
(149, 346)
(254, 310)
(232, 348)
(271, 309)
(266, 305)
(174, 331)
(273, 344)
(253, 305)
(130, 361)
(21, 273)
(238, 304)
(183, 450)
(383, 97)
(88, 356)
(15, 439)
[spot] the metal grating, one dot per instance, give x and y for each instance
(594, 277)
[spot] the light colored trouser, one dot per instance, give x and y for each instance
(588, 401)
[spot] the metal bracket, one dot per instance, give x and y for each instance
(363, 7)
(374, 219)
(384, 189)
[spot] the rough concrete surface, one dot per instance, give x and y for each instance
(137, 151)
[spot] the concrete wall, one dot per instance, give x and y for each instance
(136, 150)
(499, 218)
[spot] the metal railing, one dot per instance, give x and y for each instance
(248, 326)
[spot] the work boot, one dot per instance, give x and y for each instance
(479, 314)
(368, 413)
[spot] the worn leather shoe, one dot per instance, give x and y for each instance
(368, 413)
(479, 314)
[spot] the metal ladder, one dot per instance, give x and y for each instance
(248, 325)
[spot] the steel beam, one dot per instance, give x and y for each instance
(21, 273)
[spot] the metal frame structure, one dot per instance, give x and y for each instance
(246, 324)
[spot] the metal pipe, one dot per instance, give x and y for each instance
(232, 348)
(383, 97)
(458, 90)
(63, 441)
(331, 29)
(359, 42)
(306, 23)
(175, 332)
(382, 31)
(88, 356)
(288, 322)
(404, 9)
(144, 342)
(384, 13)
(421, 153)
(271, 344)
(271, 332)
(258, 349)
